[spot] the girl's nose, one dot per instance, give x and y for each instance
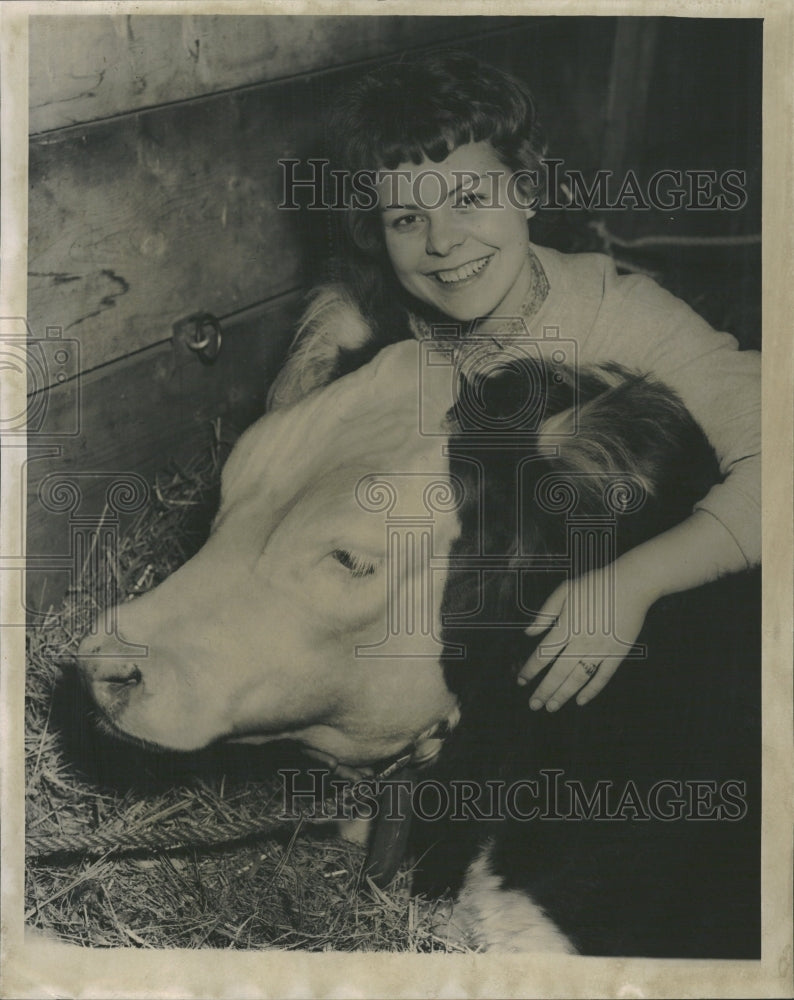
(443, 232)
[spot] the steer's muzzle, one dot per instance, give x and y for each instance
(110, 674)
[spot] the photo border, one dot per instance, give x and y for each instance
(34, 966)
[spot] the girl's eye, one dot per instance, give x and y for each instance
(470, 200)
(357, 565)
(406, 222)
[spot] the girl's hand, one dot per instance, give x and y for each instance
(598, 618)
(600, 614)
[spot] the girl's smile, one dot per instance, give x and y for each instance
(459, 276)
(467, 251)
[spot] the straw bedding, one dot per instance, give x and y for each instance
(127, 848)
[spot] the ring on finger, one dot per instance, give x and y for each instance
(589, 668)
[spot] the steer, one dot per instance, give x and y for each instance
(379, 549)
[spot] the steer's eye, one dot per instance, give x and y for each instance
(357, 565)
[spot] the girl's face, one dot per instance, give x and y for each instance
(456, 233)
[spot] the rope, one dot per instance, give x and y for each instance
(611, 239)
(189, 833)
(116, 842)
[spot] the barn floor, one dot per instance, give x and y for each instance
(127, 848)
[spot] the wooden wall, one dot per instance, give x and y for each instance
(154, 187)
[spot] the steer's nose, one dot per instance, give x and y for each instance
(110, 676)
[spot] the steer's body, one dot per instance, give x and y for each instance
(375, 558)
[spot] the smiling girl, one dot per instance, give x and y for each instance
(458, 154)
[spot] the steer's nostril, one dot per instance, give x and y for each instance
(127, 674)
(112, 682)
(119, 673)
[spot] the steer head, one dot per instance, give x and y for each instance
(314, 612)
(277, 628)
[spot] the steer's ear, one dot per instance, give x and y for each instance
(624, 444)
(630, 449)
(331, 328)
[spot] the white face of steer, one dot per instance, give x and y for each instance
(256, 637)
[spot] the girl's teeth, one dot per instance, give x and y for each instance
(461, 273)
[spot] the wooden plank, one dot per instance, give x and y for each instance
(632, 69)
(566, 62)
(138, 222)
(88, 67)
(138, 415)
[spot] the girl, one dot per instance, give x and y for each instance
(458, 154)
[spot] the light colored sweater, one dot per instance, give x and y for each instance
(627, 319)
(632, 320)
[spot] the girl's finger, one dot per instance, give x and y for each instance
(549, 613)
(545, 654)
(546, 618)
(598, 682)
(546, 621)
(555, 691)
(534, 665)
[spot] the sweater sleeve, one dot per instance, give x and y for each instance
(645, 327)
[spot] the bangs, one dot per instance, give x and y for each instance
(424, 111)
(431, 143)
(431, 134)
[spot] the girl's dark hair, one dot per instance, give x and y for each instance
(424, 107)
(421, 107)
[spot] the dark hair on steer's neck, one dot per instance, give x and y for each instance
(625, 423)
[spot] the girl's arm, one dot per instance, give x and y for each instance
(631, 320)
(637, 323)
